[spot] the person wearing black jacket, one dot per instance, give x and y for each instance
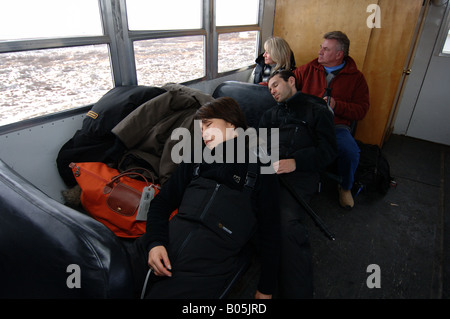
(220, 207)
(307, 145)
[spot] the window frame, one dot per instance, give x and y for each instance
(444, 33)
(211, 33)
(120, 42)
(447, 38)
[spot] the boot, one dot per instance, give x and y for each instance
(345, 198)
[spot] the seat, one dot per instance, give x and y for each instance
(254, 99)
(50, 251)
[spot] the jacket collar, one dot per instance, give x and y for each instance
(349, 68)
(260, 60)
(292, 100)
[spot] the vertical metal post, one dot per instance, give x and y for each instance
(121, 50)
(211, 50)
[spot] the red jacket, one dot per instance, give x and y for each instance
(349, 89)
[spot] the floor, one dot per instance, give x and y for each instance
(391, 246)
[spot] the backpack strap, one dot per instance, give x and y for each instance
(250, 178)
(196, 171)
(252, 175)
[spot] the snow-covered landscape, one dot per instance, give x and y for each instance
(34, 83)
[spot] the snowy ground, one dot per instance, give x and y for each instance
(35, 83)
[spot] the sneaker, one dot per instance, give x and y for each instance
(346, 198)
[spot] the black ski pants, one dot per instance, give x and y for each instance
(296, 271)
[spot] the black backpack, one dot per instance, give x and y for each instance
(94, 142)
(373, 173)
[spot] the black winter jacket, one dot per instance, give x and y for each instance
(307, 132)
(264, 201)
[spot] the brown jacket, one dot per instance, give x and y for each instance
(147, 130)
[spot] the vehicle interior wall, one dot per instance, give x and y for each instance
(380, 50)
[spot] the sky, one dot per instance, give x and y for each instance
(60, 18)
(38, 18)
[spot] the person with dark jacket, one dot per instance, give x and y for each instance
(221, 204)
(277, 56)
(307, 145)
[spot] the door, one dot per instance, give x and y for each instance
(424, 111)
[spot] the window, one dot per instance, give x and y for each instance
(26, 19)
(38, 74)
(240, 48)
(237, 50)
(34, 83)
(236, 12)
(164, 15)
(177, 60)
(182, 58)
(57, 55)
(446, 49)
(169, 59)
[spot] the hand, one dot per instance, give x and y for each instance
(260, 295)
(159, 261)
(332, 102)
(284, 166)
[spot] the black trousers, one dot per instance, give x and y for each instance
(181, 286)
(138, 257)
(296, 271)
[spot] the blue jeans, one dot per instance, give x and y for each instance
(348, 157)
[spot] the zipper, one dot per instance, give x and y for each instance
(293, 136)
(188, 237)
(209, 202)
(183, 244)
(79, 170)
(288, 112)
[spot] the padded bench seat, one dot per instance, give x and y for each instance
(46, 248)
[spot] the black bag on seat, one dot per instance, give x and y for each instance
(94, 142)
(373, 173)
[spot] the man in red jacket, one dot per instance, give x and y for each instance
(335, 77)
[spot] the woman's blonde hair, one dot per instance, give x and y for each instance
(280, 52)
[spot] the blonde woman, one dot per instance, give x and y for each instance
(277, 56)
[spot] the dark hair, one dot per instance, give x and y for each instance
(224, 108)
(341, 38)
(284, 74)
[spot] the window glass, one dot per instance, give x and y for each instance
(21, 19)
(446, 49)
(236, 12)
(237, 50)
(164, 15)
(169, 60)
(40, 82)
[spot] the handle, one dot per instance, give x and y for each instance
(131, 172)
(142, 169)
